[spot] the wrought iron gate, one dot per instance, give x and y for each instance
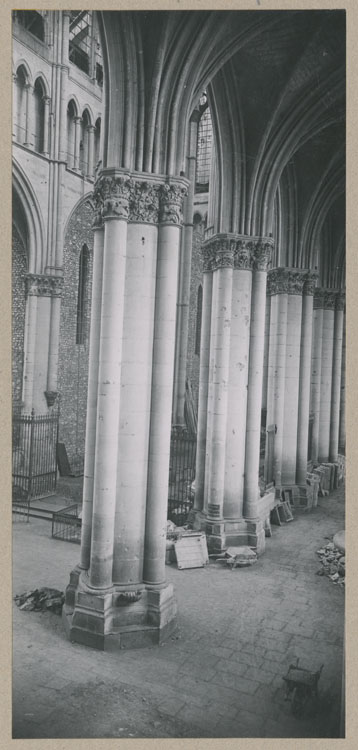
(34, 466)
(181, 474)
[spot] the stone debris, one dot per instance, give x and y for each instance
(237, 557)
(333, 563)
(41, 599)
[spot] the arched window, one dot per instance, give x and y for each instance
(21, 81)
(39, 116)
(80, 39)
(82, 297)
(31, 21)
(199, 310)
(204, 151)
(84, 142)
(71, 114)
(97, 141)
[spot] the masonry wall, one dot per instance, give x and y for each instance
(19, 270)
(73, 357)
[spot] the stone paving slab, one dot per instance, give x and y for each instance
(220, 676)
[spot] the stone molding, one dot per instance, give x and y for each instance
(290, 281)
(121, 196)
(37, 285)
(236, 251)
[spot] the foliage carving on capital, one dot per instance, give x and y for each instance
(41, 285)
(144, 203)
(287, 281)
(330, 299)
(318, 298)
(219, 252)
(310, 284)
(171, 198)
(262, 253)
(340, 301)
(243, 254)
(111, 197)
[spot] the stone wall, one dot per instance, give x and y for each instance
(19, 270)
(73, 357)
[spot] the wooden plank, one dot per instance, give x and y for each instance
(62, 460)
(191, 551)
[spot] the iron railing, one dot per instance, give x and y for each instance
(66, 524)
(34, 466)
(181, 474)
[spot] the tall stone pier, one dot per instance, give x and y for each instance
(118, 595)
(227, 498)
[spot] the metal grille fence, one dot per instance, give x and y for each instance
(181, 474)
(34, 467)
(66, 524)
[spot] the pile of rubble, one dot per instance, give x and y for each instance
(333, 563)
(41, 599)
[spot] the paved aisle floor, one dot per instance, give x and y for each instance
(221, 676)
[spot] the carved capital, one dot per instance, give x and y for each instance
(318, 299)
(171, 198)
(144, 203)
(237, 251)
(243, 254)
(262, 253)
(286, 281)
(310, 283)
(37, 285)
(111, 197)
(51, 397)
(219, 252)
(330, 299)
(340, 300)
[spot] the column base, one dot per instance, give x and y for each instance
(224, 533)
(119, 617)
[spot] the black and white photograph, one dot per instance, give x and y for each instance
(178, 372)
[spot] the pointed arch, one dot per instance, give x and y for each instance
(34, 219)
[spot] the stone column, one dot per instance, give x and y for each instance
(136, 383)
(305, 376)
(336, 377)
(76, 156)
(326, 375)
(28, 139)
(316, 367)
(39, 370)
(52, 371)
(122, 599)
(46, 101)
(29, 350)
(16, 127)
(262, 250)
(182, 326)
(237, 265)
(170, 218)
(277, 291)
(222, 249)
(115, 215)
(342, 417)
(238, 383)
(92, 392)
(266, 352)
(292, 374)
(91, 130)
(203, 386)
